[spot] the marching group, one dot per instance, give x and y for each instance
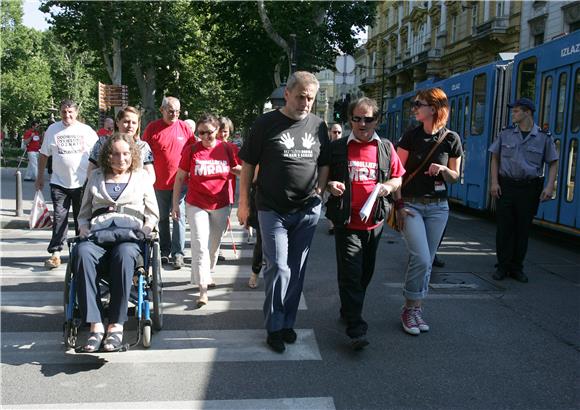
(122, 187)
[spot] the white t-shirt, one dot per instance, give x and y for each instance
(70, 148)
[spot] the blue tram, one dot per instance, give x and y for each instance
(548, 74)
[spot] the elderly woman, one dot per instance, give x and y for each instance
(118, 209)
(128, 120)
(431, 154)
(209, 164)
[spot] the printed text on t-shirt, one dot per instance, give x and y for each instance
(362, 171)
(70, 144)
(211, 167)
(291, 152)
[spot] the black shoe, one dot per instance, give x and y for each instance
(358, 343)
(520, 276)
(499, 275)
(275, 342)
(221, 258)
(288, 335)
(165, 260)
(438, 263)
(331, 231)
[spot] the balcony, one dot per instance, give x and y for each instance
(497, 25)
(368, 80)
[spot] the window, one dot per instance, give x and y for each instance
(500, 8)
(396, 127)
(474, 19)
(546, 103)
(526, 81)
(575, 122)
(538, 39)
(459, 114)
(555, 193)
(465, 118)
(478, 108)
(408, 117)
(561, 102)
(571, 174)
(453, 29)
(453, 117)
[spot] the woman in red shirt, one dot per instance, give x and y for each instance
(208, 163)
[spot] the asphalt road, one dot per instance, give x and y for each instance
(492, 345)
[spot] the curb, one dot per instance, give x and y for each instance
(16, 223)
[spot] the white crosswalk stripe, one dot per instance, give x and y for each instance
(31, 291)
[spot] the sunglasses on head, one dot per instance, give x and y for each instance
(419, 104)
(356, 118)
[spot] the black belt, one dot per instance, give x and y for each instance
(424, 200)
(120, 209)
(521, 181)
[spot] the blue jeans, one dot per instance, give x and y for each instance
(171, 244)
(422, 233)
(286, 240)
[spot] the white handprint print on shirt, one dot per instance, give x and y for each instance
(287, 141)
(307, 141)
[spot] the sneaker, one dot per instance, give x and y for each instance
(288, 335)
(52, 262)
(165, 260)
(358, 343)
(409, 322)
(418, 313)
(275, 342)
(178, 261)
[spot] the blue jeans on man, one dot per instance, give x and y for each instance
(286, 240)
(171, 242)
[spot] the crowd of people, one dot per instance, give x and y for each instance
(289, 167)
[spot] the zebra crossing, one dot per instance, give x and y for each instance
(32, 304)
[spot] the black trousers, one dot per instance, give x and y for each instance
(355, 259)
(92, 260)
(257, 253)
(62, 198)
(515, 211)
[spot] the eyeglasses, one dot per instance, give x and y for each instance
(202, 133)
(337, 132)
(356, 118)
(172, 112)
(419, 104)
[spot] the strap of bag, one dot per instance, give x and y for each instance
(427, 158)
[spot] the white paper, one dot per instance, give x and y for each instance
(367, 208)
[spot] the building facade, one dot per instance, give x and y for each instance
(412, 41)
(543, 21)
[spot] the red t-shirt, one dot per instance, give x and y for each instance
(103, 132)
(167, 142)
(209, 171)
(363, 169)
(35, 140)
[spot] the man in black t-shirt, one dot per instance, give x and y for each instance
(291, 146)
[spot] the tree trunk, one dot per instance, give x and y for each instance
(146, 80)
(276, 38)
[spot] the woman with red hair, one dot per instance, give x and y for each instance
(431, 154)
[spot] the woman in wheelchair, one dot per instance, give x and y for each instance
(119, 208)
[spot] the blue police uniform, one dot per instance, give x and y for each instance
(521, 179)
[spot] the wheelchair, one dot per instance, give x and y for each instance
(145, 300)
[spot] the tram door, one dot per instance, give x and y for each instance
(457, 122)
(568, 189)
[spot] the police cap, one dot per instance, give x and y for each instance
(523, 102)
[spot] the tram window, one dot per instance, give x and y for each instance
(478, 108)
(546, 99)
(465, 118)
(527, 78)
(571, 174)
(575, 122)
(396, 126)
(557, 144)
(459, 112)
(408, 117)
(561, 102)
(452, 117)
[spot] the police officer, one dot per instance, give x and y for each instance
(517, 183)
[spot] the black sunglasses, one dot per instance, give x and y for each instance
(202, 133)
(356, 118)
(419, 104)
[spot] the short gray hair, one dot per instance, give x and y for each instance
(168, 100)
(303, 78)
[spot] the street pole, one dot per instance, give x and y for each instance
(293, 55)
(18, 193)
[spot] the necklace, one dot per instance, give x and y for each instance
(116, 188)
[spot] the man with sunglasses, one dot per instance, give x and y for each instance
(518, 158)
(358, 164)
(167, 137)
(335, 132)
(291, 147)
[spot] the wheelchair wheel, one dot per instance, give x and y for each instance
(146, 335)
(71, 324)
(157, 288)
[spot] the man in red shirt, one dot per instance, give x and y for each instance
(167, 137)
(32, 139)
(359, 164)
(108, 128)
